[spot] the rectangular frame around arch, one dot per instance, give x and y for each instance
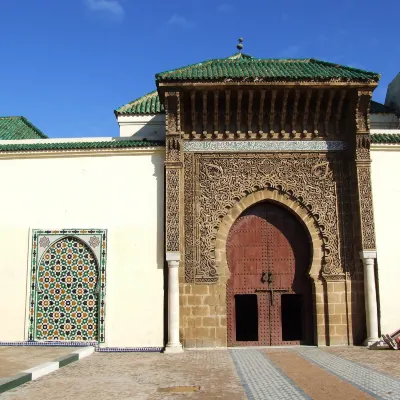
(99, 247)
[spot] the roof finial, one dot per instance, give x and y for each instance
(239, 45)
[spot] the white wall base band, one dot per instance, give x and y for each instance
(43, 369)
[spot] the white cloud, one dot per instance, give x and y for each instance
(180, 21)
(113, 7)
(225, 8)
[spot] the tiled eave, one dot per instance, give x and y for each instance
(261, 82)
(78, 147)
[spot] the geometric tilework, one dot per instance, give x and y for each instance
(377, 384)
(68, 285)
(261, 379)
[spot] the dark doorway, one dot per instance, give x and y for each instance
(269, 298)
(291, 306)
(246, 310)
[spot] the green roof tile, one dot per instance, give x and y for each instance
(112, 144)
(243, 66)
(385, 138)
(378, 108)
(12, 128)
(147, 104)
(240, 66)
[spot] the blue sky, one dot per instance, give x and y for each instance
(67, 64)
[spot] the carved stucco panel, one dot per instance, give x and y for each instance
(214, 183)
(366, 209)
(172, 209)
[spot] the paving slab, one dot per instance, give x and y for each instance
(317, 383)
(291, 373)
(14, 359)
(139, 376)
(386, 361)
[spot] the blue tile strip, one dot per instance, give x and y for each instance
(85, 344)
(368, 380)
(261, 379)
(52, 343)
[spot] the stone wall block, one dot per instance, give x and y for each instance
(200, 289)
(189, 343)
(340, 308)
(335, 319)
(222, 321)
(220, 309)
(341, 329)
(221, 342)
(320, 308)
(211, 300)
(190, 333)
(191, 300)
(201, 311)
(186, 311)
(205, 333)
(221, 333)
(209, 321)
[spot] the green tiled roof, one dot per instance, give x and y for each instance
(378, 108)
(385, 138)
(112, 144)
(147, 104)
(12, 128)
(243, 66)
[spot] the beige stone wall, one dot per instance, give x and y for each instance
(338, 314)
(203, 315)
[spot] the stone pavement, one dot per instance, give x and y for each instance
(14, 359)
(257, 373)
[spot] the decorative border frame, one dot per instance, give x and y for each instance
(264, 145)
(98, 348)
(98, 246)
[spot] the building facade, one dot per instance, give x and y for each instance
(235, 209)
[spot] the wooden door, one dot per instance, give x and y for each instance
(268, 257)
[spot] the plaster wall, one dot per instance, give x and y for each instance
(120, 193)
(385, 188)
(151, 127)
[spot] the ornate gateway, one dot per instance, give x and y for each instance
(294, 134)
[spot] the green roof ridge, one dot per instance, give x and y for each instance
(385, 138)
(106, 144)
(290, 69)
(147, 104)
(19, 127)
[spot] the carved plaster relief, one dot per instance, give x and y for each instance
(215, 182)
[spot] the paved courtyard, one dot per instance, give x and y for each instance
(14, 359)
(267, 373)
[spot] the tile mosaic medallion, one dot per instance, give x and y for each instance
(68, 282)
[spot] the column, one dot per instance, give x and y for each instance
(174, 345)
(371, 309)
(173, 211)
(365, 234)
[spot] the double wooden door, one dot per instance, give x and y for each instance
(268, 294)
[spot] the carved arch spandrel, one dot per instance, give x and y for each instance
(214, 183)
(285, 200)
